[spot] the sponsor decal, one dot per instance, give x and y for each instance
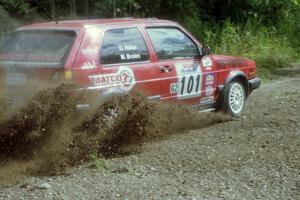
(231, 63)
(210, 78)
(89, 65)
(173, 88)
(90, 51)
(206, 62)
(12, 56)
(30, 57)
(187, 68)
(189, 80)
(209, 90)
(206, 100)
(123, 79)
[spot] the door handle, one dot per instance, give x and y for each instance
(165, 69)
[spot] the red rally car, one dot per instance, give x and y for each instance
(111, 56)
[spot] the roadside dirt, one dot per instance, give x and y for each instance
(254, 157)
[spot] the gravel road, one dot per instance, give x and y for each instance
(254, 157)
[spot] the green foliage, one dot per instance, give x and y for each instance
(114, 8)
(267, 47)
(264, 30)
(200, 29)
(16, 6)
(7, 23)
(98, 163)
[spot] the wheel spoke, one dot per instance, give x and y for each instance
(236, 98)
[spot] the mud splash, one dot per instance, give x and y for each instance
(26, 129)
(3, 106)
(47, 135)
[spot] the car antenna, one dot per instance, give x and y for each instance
(47, 13)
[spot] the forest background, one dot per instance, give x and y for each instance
(267, 31)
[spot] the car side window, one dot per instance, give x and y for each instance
(123, 45)
(170, 43)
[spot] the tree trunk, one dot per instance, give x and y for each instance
(73, 9)
(52, 8)
(86, 3)
(114, 8)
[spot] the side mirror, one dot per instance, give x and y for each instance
(205, 51)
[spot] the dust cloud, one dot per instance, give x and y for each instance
(46, 135)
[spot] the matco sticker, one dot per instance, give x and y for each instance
(209, 80)
(123, 79)
(189, 80)
(206, 62)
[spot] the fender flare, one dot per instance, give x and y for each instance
(237, 74)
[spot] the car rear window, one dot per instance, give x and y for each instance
(50, 46)
(123, 45)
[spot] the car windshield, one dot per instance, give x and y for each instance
(41, 46)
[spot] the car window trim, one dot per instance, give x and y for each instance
(113, 64)
(129, 63)
(175, 27)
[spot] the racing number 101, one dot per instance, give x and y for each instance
(191, 87)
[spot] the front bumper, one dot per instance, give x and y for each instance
(254, 84)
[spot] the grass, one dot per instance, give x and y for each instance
(98, 163)
(297, 60)
(269, 48)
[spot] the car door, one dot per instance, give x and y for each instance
(179, 64)
(125, 64)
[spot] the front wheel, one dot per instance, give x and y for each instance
(234, 99)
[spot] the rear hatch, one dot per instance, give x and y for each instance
(33, 59)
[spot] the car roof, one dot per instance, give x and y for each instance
(79, 24)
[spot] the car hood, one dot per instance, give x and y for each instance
(223, 61)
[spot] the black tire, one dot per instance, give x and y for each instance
(234, 99)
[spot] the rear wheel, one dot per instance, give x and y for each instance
(235, 98)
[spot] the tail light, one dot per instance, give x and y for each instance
(68, 75)
(62, 76)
